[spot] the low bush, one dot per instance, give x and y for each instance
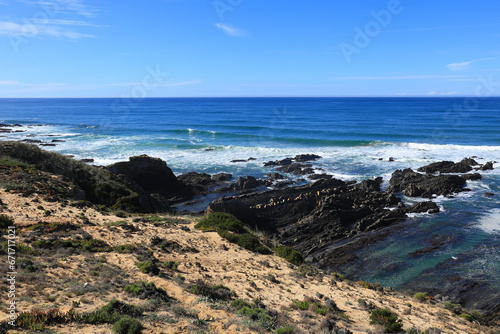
(291, 255)
(255, 312)
(89, 245)
(111, 313)
(173, 265)
(420, 296)
(285, 330)
(301, 305)
(144, 290)
(387, 319)
(216, 292)
(5, 221)
(220, 221)
(27, 265)
(245, 240)
(128, 325)
(148, 267)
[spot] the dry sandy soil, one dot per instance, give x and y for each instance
(67, 278)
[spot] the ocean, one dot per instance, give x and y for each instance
(354, 136)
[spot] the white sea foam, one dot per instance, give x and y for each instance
(490, 222)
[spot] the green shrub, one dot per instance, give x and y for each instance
(5, 221)
(238, 304)
(245, 240)
(387, 319)
(455, 308)
(110, 313)
(90, 245)
(36, 320)
(220, 221)
(144, 290)
(127, 248)
(27, 265)
(171, 265)
(148, 267)
(128, 325)
(301, 305)
(290, 254)
(467, 317)
(285, 330)
(320, 309)
(255, 312)
(420, 296)
(216, 292)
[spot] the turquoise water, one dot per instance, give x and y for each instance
(351, 134)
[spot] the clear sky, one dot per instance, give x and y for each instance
(185, 48)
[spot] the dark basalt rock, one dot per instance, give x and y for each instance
(472, 177)
(492, 317)
(151, 174)
(221, 177)
(413, 184)
(284, 162)
(296, 169)
(320, 176)
(306, 157)
(195, 179)
(487, 166)
(463, 166)
(313, 216)
(275, 176)
(248, 182)
(423, 207)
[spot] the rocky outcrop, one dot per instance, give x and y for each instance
(463, 166)
(314, 216)
(151, 174)
(414, 184)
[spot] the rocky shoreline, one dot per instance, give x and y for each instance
(329, 220)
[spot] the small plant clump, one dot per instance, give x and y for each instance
(291, 255)
(301, 305)
(173, 265)
(420, 296)
(232, 229)
(215, 292)
(5, 221)
(255, 312)
(128, 325)
(89, 245)
(217, 221)
(285, 330)
(387, 319)
(144, 290)
(148, 267)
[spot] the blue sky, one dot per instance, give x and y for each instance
(185, 48)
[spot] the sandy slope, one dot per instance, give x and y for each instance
(61, 280)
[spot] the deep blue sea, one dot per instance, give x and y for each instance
(351, 134)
